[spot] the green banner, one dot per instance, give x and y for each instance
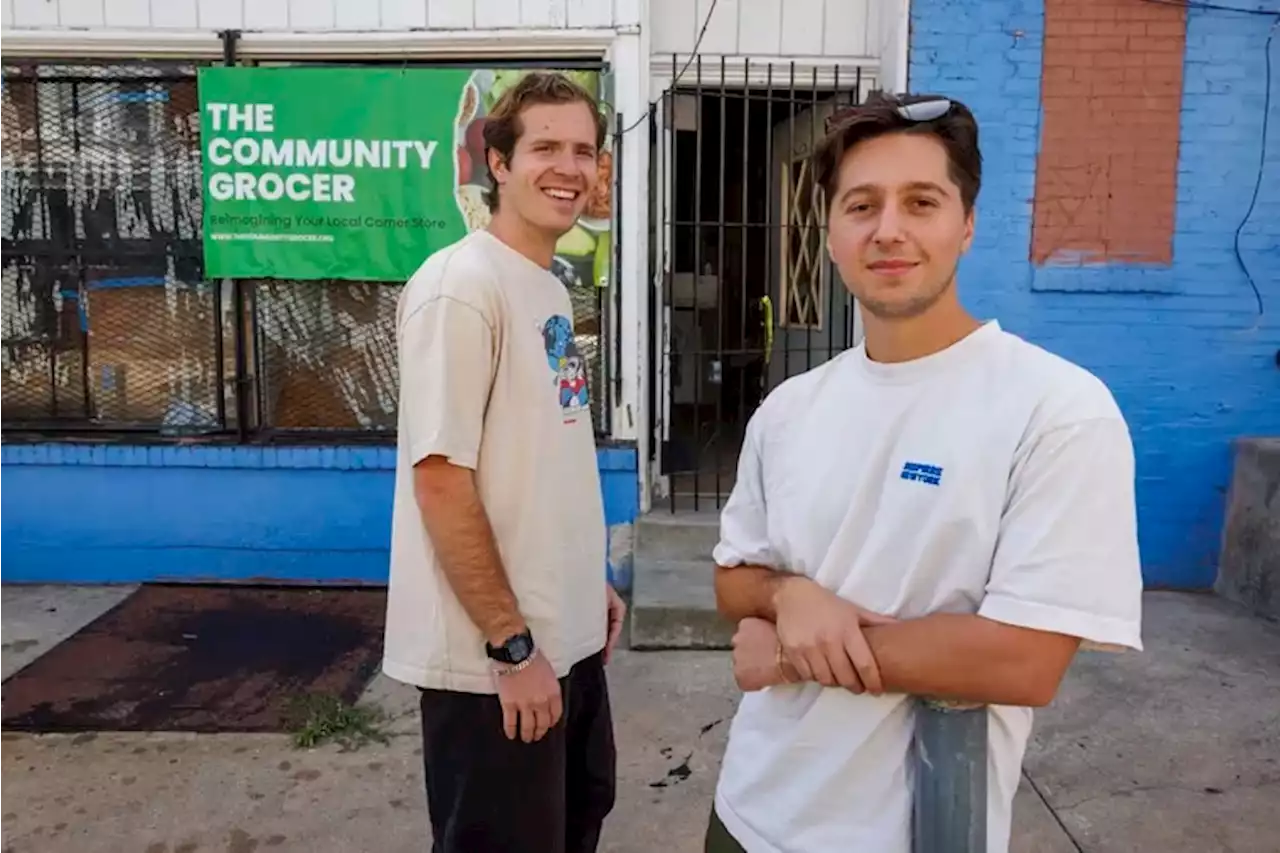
(359, 173)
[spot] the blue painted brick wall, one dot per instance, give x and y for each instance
(78, 513)
(1193, 364)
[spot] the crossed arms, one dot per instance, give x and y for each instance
(827, 639)
(1065, 569)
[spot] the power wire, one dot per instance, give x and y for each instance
(1266, 116)
(1262, 164)
(1193, 4)
(692, 55)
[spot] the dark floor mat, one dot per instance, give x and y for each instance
(202, 659)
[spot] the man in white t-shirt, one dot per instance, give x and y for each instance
(944, 511)
(498, 608)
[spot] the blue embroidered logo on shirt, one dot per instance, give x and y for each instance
(921, 473)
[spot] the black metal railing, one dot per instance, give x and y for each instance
(109, 324)
(749, 296)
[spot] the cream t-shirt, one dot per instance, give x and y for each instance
(492, 378)
(990, 478)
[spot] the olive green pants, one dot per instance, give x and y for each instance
(718, 838)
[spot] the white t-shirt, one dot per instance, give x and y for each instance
(492, 378)
(990, 478)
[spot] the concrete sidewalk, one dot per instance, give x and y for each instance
(1176, 750)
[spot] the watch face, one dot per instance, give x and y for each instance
(519, 648)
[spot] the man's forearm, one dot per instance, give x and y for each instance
(970, 658)
(746, 591)
(463, 542)
(946, 656)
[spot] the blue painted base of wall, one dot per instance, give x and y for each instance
(111, 514)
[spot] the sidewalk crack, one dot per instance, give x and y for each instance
(1057, 819)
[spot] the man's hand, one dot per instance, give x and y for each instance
(617, 610)
(821, 635)
(755, 656)
(531, 700)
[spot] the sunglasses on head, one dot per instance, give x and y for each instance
(934, 108)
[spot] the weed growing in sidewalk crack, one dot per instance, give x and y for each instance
(318, 718)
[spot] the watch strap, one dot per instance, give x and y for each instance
(515, 650)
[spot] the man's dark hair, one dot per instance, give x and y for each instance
(502, 127)
(881, 114)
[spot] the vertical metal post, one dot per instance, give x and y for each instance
(950, 804)
(669, 266)
(849, 307)
(698, 354)
(828, 277)
(654, 369)
(220, 327)
(812, 299)
(772, 236)
(788, 191)
(615, 281)
(82, 286)
(741, 411)
(717, 367)
(230, 38)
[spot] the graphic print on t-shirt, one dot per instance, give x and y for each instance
(567, 365)
(922, 473)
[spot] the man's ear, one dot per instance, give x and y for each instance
(497, 165)
(970, 220)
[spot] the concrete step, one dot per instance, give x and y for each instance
(681, 535)
(1249, 564)
(673, 606)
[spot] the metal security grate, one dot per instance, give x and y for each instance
(590, 321)
(326, 355)
(108, 322)
(749, 296)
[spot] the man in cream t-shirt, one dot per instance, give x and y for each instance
(944, 511)
(498, 607)
(513, 420)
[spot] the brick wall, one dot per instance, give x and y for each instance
(1182, 345)
(1110, 95)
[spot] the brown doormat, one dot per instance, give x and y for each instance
(202, 659)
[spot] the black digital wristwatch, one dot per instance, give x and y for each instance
(514, 651)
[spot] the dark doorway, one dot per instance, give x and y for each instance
(749, 296)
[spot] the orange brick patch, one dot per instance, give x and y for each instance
(1111, 97)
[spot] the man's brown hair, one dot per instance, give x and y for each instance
(502, 127)
(956, 129)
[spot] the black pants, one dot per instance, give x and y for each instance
(718, 839)
(487, 794)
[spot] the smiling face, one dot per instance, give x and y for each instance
(897, 225)
(551, 172)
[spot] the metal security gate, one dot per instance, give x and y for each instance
(748, 295)
(107, 318)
